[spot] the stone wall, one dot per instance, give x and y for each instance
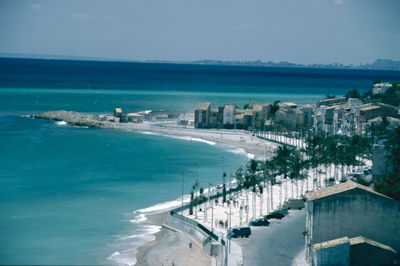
(336, 255)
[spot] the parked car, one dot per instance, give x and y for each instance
(293, 204)
(242, 231)
(275, 215)
(259, 222)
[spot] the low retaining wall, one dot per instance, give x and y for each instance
(188, 228)
(192, 228)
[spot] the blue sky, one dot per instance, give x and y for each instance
(299, 31)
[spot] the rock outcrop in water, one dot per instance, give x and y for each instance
(80, 119)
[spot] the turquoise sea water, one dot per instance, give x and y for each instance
(68, 195)
(72, 195)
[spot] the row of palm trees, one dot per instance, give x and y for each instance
(329, 157)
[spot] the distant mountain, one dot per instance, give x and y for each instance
(382, 64)
(386, 64)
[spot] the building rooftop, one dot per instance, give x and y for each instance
(383, 85)
(370, 107)
(307, 106)
(268, 122)
(248, 112)
(229, 107)
(340, 188)
(203, 106)
(238, 116)
(258, 107)
(376, 120)
(363, 240)
(332, 100)
(134, 115)
(352, 242)
(330, 243)
(288, 104)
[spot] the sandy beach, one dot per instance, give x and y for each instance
(170, 247)
(234, 140)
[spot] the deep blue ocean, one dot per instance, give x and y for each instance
(71, 195)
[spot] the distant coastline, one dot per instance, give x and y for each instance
(378, 64)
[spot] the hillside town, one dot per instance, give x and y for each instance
(334, 115)
(330, 183)
(351, 215)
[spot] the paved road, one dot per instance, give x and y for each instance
(277, 244)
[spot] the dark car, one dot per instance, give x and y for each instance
(259, 222)
(243, 231)
(278, 214)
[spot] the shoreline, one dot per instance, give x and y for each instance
(233, 140)
(169, 245)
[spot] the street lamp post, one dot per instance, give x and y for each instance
(223, 180)
(183, 184)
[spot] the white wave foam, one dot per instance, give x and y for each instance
(203, 140)
(129, 244)
(148, 230)
(123, 258)
(141, 217)
(61, 123)
(150, 133)
(241, 151)
(250, 156)
(187, 138)
(166, 205)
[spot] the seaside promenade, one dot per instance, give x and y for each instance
(241, 206)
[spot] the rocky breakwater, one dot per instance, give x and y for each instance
(81, 119)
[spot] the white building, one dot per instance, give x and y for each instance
(229, 112)
(351, 210)
(381, 88)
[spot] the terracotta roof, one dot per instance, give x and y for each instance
(202, 106)
(337, 189)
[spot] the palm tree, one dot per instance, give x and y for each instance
(252, 179)
(195, 186)
(296, 170)
(270, 175)
(282, 163)
(312, 150)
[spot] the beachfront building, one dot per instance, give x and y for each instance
(117, 112)
(331, 101)
(260, 113)
(370, 111)
(381, 165)
(239, 121)
(202, 114)
(351, 210)
(134, 118)
(307, 111)
(381, 88)
(228, 115)
(289, 115)
(352, 251)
